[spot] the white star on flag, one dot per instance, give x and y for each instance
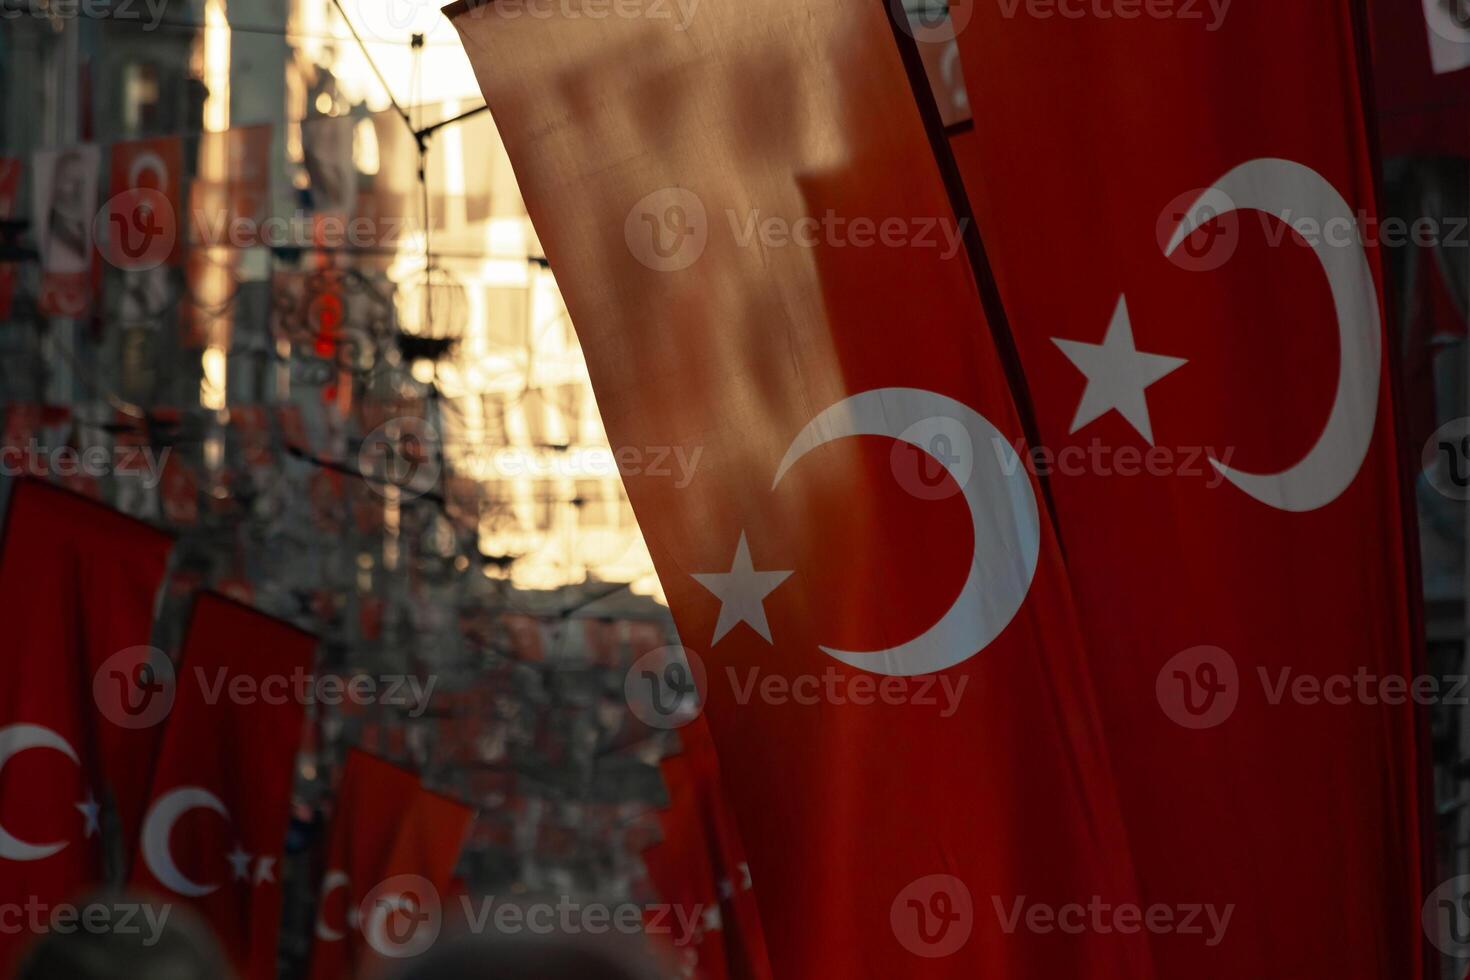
(1118, 374)
(264, 870)
(239, 860)
(742, 592)
(89, 810)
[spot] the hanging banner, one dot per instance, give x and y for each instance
(763, 265)
(214, 831)
(372, 801)
(64, 206)
(80, 713)
(1191, 273)
(230, 195)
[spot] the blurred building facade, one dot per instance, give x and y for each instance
(363, 404)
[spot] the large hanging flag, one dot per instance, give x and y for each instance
(371, 803)
(77, 588)
(1181, 219)
(215, 827)
(750, 230)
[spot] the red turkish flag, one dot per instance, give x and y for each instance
(701, 861)
(143, 211)
(1421, 75)
(687, 919)
(762, 263)
(1226, 477)
(402, 914)
(10, 171)
(372, 801)
(78, 583)
(215, 827)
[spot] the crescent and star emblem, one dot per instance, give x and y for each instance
(997, 488)
(15, 739)
(158, 827)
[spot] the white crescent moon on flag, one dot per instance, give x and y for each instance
(1003, 515)
(331, 881)
(159, 824)
(1292, 192)
(15, 739)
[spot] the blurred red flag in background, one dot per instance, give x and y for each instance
(78, 583)
(215, 828)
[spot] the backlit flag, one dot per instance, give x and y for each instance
(403, 913)
(1180, 216)
(78, 583)
(372, 801)
(215, 828)
(755, 245)
(687, 919)
(701, 865)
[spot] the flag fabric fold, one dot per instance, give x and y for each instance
(761, 260)
(1187, 253)
(78, 584)
(214, 831)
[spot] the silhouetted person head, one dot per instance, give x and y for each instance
(125, 937)
(604, 957)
